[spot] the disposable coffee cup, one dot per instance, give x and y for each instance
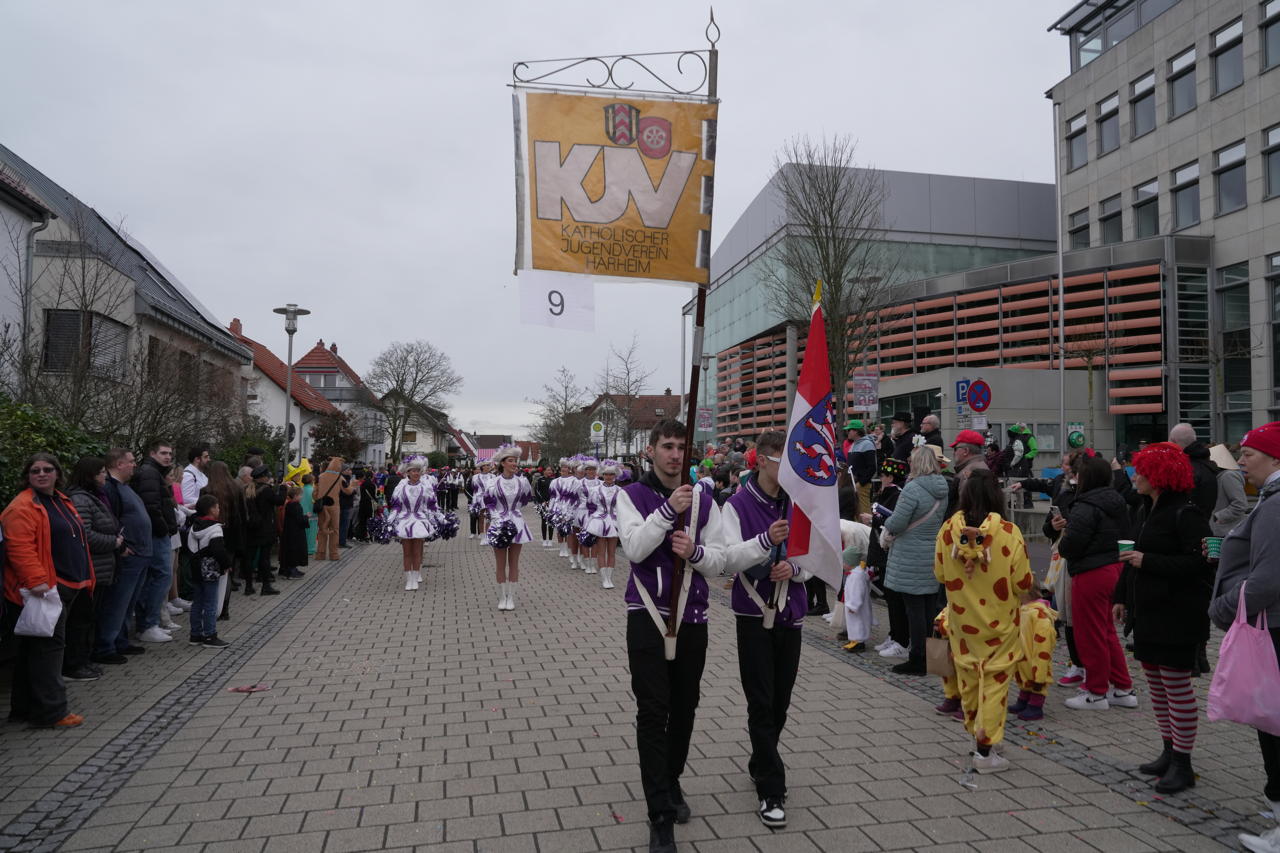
(1125, 545)
(1213, 546)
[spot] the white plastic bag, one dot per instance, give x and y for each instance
(40, 613)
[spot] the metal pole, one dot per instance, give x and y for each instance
(288, 402)
(1062, 305)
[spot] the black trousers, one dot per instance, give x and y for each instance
(1270, 745)
(899, 632)
(548, 532)
(38, 694)
(816, 593)
(666, 699)
(475, 522)
(920, 612)
(767, 663)
(77, 607)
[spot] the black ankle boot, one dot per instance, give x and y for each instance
(248, 589)
(1179, 776)
(268, 589)
(1161, 764)
(662, 836)
(683, 812)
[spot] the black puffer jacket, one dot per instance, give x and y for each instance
(1096, 520)
(149, 482)
(1205, 471)
(100, 529)
(1168, 598)
(262, 515)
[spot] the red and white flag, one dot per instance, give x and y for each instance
(808, 469)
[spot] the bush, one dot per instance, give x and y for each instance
(437, 459)
(253, 432)
(25, 430)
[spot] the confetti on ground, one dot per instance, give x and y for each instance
(617, 818)
(249, 688)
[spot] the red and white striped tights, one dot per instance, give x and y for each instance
(1174, 703)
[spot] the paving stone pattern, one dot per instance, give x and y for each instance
(430, 720)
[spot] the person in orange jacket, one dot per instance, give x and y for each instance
(46, 553)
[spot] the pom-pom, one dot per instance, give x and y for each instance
(448, 526)
(476, 509)
(586, 540)
(379, 530)
(1165, 466)
(501, 535)
(562, 522)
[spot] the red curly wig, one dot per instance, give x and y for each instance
(1165, 466)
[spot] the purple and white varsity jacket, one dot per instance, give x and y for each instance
(745, 520)
(645, 522)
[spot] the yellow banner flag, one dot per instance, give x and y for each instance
(615, 186)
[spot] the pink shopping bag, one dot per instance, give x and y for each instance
(1246, 684)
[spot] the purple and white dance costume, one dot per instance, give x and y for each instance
(602, 511)
(504, 498)
(415, 514)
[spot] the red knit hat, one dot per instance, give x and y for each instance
(1265, 438)
(1166, 467)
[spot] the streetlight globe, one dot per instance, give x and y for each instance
(291, 314)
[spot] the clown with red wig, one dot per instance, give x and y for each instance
(1164, 593)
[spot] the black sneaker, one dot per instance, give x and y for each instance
(662, 836)
(268, 589)
(910, 667)
(134, 650)
(83, 673)
(215, 642)
(772, 814)
(683, 813)
(112, 659)
(196, 640)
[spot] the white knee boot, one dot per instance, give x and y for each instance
(606, 577)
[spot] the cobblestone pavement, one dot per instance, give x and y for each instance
(430, 720)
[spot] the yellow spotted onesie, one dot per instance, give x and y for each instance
(1035, 671)
(983, 569)
(950, 684)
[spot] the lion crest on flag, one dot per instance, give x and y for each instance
(812, 445)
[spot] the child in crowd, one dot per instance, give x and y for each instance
(209, 559)
(950, 706)
(293, 534)
(1035, 671)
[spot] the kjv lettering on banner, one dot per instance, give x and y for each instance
(613, 186)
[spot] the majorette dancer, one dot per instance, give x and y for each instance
(587, 487)
(504, 497)
(602, 519)
(414, 516)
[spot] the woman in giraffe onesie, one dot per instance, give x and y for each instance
(982, 562)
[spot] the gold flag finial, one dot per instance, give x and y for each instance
(817, 293)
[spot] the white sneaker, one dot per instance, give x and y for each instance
(893, 650)
(168, 625)
(172, 609)
(155, 634)
(1267, 842)
(1122, 698)
(993, 763)
(772, 814)
(884, 644)
(1086, 701)
(826, 617)
(181, 602)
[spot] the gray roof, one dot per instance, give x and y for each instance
(159, 293)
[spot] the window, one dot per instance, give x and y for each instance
(1228, 57)
(1109, 220)
(1273, 288)
(1146, 210)
(1186, 196)
(1142, 105)
(1271, 34)
(1108, 125)
(1078, 230)
(1271, 160)
(1182, 83)
(1237, 380)
(1229, 176)
(409, 436)
(84, 340)
(330, 380)
(1077, 150)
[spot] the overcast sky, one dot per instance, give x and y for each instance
(357, 158)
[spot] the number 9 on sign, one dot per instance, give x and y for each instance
(556, 300)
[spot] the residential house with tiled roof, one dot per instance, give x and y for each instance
(265, 389)
(427, 430)
(331, 376)
(628, 419)
(85, 297)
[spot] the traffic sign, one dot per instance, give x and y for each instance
(979, 396)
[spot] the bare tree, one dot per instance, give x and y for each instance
(561, 424)
(621, 381)
(1087, 347)
(834, 233)
(409, 375)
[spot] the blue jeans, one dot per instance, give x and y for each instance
(111, 635)
(155, 589)
(344, 522)
(204, 608)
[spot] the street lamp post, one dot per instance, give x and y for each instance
(291, 314)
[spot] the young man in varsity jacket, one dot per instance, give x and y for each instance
(755, 527)
(666, 690)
